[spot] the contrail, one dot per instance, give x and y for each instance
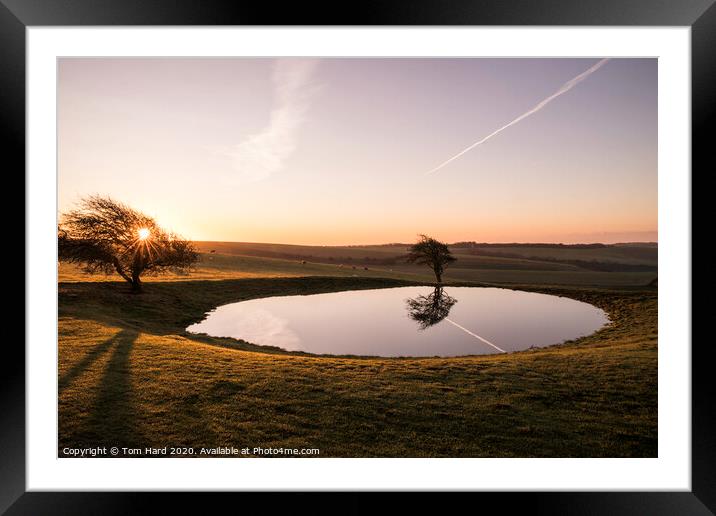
(564, 89)
(475, 335)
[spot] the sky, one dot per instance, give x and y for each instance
(341, 151)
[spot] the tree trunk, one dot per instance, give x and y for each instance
(439, 276)
(137, 268)
(136, 284)
(132, 280)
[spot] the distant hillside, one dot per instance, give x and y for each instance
(471, 255)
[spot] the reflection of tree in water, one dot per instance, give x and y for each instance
(431, 309)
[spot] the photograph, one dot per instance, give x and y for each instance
(357, 257)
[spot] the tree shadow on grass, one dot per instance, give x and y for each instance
(113, 419)
(90, 357)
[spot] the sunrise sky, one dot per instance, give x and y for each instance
(340, 151)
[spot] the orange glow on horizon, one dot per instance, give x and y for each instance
(323, 236)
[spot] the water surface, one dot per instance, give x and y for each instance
(406, 321)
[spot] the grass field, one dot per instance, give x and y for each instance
(231, 260)
(521, 256)
(129, 375)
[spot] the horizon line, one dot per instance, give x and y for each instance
(652, 242)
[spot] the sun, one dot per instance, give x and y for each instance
(143, 233)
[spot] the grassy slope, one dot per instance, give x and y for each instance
(129, 375)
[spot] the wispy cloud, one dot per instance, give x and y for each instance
(261, 154)
(563, 89)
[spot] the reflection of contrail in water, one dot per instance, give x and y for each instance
(564, 89)
(475, 335)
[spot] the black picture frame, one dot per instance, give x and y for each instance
(17, 15)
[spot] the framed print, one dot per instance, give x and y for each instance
(416, 249)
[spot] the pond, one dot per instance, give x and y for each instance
(406, 321)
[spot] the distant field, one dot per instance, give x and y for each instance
(614, 254)
(228, 266)
(477, 254)
(366, 256)
(232, 260)
(220, 266)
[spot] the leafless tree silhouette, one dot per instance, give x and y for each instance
(107, 236)
(430, 252)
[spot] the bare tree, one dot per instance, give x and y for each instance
(107, 236)
(430, 252)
